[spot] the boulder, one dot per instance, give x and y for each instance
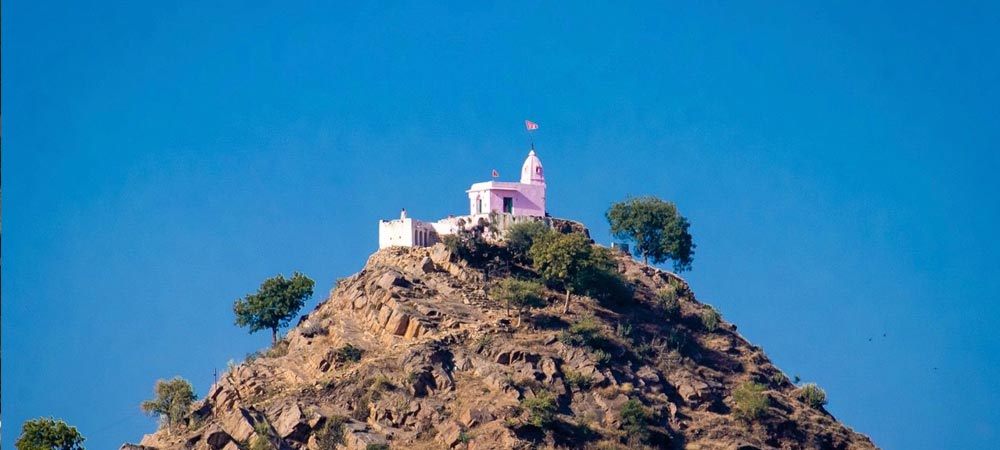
(238, 424)
(476, 416)
(449, 433)
(291, 424)
(217, 439)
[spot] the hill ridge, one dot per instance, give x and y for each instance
(410, 352)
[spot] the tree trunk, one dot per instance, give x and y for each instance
(519, 314)
(645, 258)
(566, 307)
(274, 336)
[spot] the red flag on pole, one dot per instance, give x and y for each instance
(495, 174)
(530, 125)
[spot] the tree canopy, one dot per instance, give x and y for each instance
(274, 305)
(569, 260)
(520, 294)
(48, 434)
(173, 398)
(521, 236)
(658, 231)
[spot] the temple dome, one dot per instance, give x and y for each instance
(531, 171)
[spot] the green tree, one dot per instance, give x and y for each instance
(519, 294)
(275, 304)
(657, 230)
(48, 434)
(173, 398)
(521, 236)
(568, 260)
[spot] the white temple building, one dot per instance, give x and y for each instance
(501, 201)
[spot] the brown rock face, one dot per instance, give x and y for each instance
(442, 366)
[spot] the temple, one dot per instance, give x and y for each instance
(498, 202)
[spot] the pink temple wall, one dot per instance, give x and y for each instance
(529, 199)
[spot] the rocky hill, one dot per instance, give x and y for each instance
(411, 353)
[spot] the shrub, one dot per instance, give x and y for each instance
(521, 236)
(348, 353)
(676, 340)
(635, 419)
(331, 433)
(601, 357)
(362, 410)
(279, 348)
(485, 341)
(519, 294)
(541, 408)
(750, 401)
(382, 383)
(710, 318)
(313, 328)
(578, 380)
(680, 288)
(377, 447)
(778, 378)
(624, 330)
(669, 304)
(585, 332)
(262, 441)
(812, 395)
(173, 398)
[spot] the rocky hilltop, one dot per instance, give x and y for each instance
(411, 353)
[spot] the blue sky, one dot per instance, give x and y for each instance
(837, 163)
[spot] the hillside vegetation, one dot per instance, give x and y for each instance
(423, 349)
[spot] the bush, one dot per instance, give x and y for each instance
(331, 433)
(578, 380)
(679, 287)
(541, 408)
(676, 340)
(624, 330)
(668, 302)
(348, 353)
(601, 357)
(521, 236)
(262, 441)
(635, 419)
(812, 395)
(520, 295)
(312, 328)
(173, 398)
(710, 318)
(585, 332)
(279, 348)
(779, 379)
(377, 447)
(382, 383)
(750, 401)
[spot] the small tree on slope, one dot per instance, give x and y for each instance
(520, 294)
(275, 304)
(658, 231)
(568, 260)
(173, 398)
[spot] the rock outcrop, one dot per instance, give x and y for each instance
(412, 353)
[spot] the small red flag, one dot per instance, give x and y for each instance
(530, 125)
(495, 174)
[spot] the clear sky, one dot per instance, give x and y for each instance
(838, 165)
